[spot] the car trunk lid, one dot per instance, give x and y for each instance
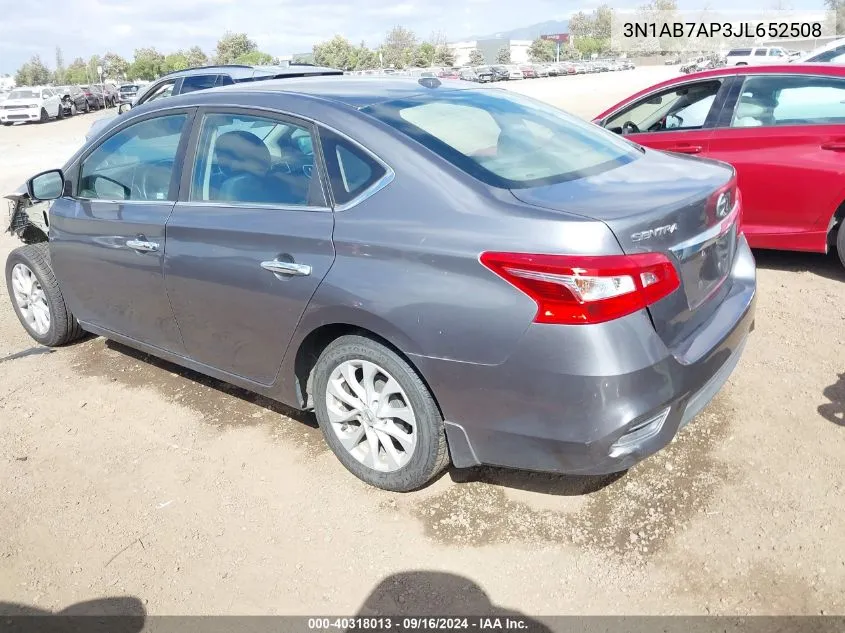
(663, 204)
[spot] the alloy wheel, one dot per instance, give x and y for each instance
(371, 415)
(31, 300)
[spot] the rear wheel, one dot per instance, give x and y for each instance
(840, 242)
(377, 415)
(36, 296)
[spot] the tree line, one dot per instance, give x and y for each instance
(590, 33)
(147, 63)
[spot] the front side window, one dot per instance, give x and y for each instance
(760, 52)
(248, 159)
(134, 164)
(504, 139)
(351, 170)
(161, 92)
(682, 108)
(775, 52)
(46, 94)
(198, 82)
(770, 100)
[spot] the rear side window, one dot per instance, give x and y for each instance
(740, 52)
(198, 82)
(834, 55)
(504, 139)
(246, 159)
(769, 100)
(224, 80)
(351, 170)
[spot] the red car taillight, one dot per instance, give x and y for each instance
(575, 289)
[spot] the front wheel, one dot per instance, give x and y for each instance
(840, 242)
(377, 415)
(36, 296)
(44, 116)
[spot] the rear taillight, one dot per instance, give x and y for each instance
(575, 289)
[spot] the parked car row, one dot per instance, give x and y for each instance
(42, 103)
(507, 72)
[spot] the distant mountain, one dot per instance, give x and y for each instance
(529, 32)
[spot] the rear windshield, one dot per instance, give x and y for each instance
(504, 139)
(129, 88)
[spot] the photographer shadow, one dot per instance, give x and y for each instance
(439, 594)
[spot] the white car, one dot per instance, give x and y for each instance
(757, 56)
(31, 104)
(831, 53)
(514, 72)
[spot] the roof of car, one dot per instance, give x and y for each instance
(352, 90)
(243, 71)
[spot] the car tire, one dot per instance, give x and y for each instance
(44, 116)
(840, 241)
(73, 110)
(421, 426)
(32, 264)
(7, 123)
(87, 107)
(60, 113)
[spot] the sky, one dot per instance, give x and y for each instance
(280, 27)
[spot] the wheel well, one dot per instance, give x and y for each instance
(314, 344)
(836, 221)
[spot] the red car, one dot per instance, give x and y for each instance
(781, 127)
(528, 72)
(449, 73)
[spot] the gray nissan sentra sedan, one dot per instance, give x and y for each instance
(444, 273)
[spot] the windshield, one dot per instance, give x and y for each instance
(504, 139)
(25, 94)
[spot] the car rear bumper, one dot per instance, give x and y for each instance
(590, 399)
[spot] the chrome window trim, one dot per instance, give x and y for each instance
(130, 201)
(252, 205)
(374, 188)
(370, 191)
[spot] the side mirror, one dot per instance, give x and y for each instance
(124, 107)
(47, 185)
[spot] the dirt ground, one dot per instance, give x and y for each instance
(121, 475)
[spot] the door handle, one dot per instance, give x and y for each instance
(287, 268)
(835, 146)
(142, 246)
(685, 149)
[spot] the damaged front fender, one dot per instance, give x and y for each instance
(27, 220)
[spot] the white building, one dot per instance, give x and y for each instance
(7, 83)
(490, 50)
